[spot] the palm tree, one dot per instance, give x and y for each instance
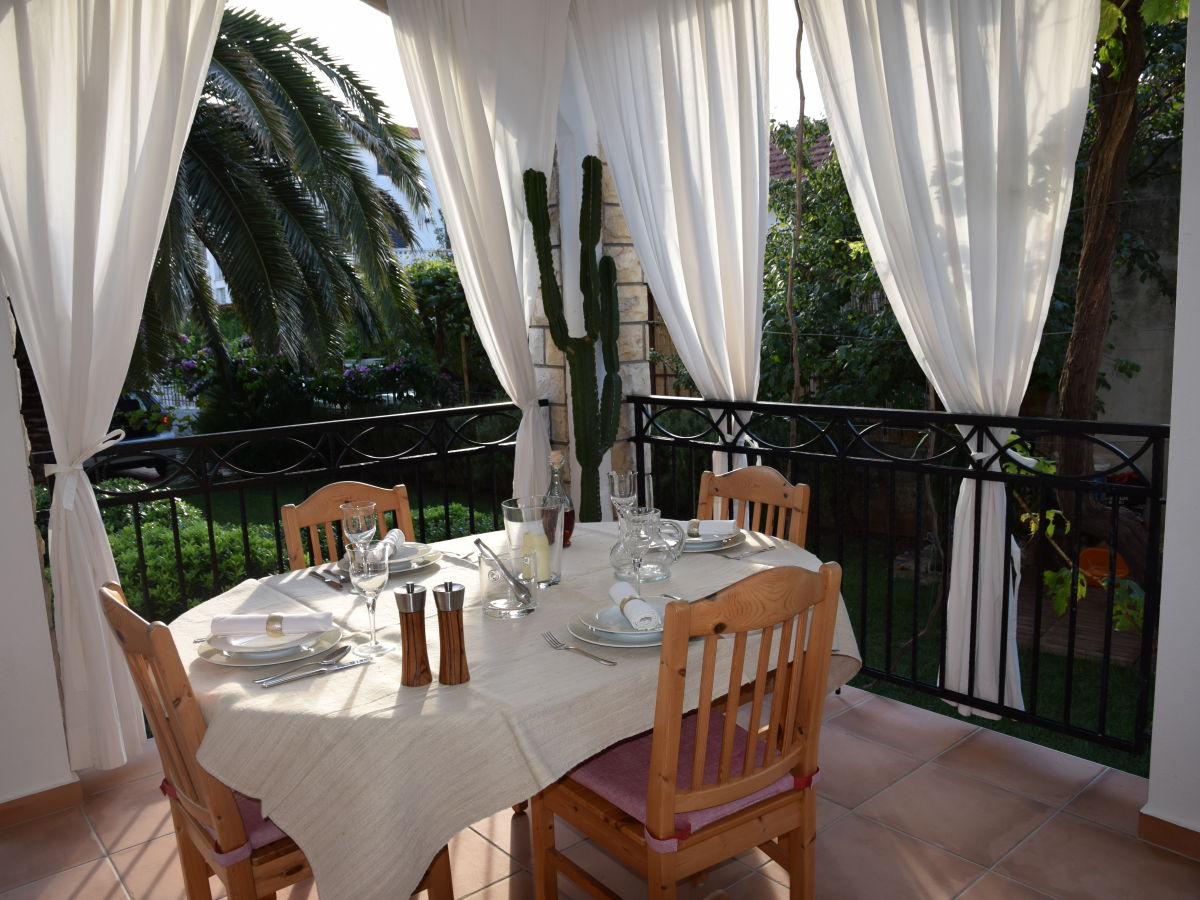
(270, 184)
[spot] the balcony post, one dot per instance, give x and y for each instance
(1171, 816)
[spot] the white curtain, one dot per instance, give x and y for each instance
(96, 100)
(957, 125)
(679, 92)
(484, 78)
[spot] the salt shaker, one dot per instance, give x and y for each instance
(411, 603)
(449, 598)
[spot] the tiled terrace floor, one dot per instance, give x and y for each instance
(912, 804)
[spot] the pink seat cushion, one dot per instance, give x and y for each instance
(621, 775)
(260, 831)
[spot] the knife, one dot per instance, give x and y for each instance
(331, 658)
(283, 679)
(328, 579)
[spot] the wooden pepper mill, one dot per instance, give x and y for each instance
(411, 603)
(449, 598)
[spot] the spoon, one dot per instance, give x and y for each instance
(332, 658)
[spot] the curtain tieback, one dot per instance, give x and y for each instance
(68, 477)
(1005, 452)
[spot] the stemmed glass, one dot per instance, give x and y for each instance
(623, 490)
(369, 573)
(358, 526)
(638, 524)
(358, 522)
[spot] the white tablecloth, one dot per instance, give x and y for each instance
(370, 777)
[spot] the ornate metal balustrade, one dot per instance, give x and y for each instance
(202, 512)
(884, 488)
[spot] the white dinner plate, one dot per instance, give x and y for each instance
(423, 556)
(607, 617)
(323, 642)
(260, 644)
(708, 544)
(411, 565)
(605, 639)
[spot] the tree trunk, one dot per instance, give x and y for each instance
(1116, 120)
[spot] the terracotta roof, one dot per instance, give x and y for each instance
(781, 166)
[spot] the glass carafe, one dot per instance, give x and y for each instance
(666, 543)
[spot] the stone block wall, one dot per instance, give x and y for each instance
(633, 297)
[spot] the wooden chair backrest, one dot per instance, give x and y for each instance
(320, 517)
(757, 498)
(778, 625)
(175, 718)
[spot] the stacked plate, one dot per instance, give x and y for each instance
(406, 558)
(606, 625)
(712, 542)
(265, 650)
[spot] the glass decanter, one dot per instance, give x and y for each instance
(557, 489)
(666, 543)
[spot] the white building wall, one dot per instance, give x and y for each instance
(1175, 748)
(33, 747)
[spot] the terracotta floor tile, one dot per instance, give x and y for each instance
(518, 886)
(510, 832)
(854, 769)
(997, 887)
(910, 729)
(849, 697)
(630, 886)
(968, 817)
(1114, 799)
(1042, 773)
(129, 814)
(476, 863)
(755, 887)
(95, 880)
(303, 890)
(151, 871)
(1074, 859)
(145, 762)
(858, 858)
(32, 850)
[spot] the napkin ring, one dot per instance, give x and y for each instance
(275, 625)
(626, 600)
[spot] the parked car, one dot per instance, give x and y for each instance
(140, 416)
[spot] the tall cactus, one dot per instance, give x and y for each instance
(594, 412)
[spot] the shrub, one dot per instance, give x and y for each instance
(460, 522)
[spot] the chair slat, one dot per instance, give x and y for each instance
(320, 518)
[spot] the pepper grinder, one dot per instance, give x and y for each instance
(411, 603)
(449, 598)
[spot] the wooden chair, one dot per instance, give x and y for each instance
(670, 805)
(319, 514)
(217, 829)
(758, 498)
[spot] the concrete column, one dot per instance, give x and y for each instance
(1172, 813)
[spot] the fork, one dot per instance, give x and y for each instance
(554, 642)
(746, 553)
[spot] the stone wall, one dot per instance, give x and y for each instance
(633, 297)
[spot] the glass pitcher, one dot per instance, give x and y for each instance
(665, 544)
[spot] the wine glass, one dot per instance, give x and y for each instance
(369, 573)
(622, 490)
(638, 526)
(358, 522)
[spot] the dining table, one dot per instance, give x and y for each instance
(371, 777)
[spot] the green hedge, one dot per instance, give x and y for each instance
(175, 583)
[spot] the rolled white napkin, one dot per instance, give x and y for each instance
(279, 624)
(641, 615)
(718, 527)
(395, 537)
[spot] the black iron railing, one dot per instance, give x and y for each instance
(884, 488)
(189, 517)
